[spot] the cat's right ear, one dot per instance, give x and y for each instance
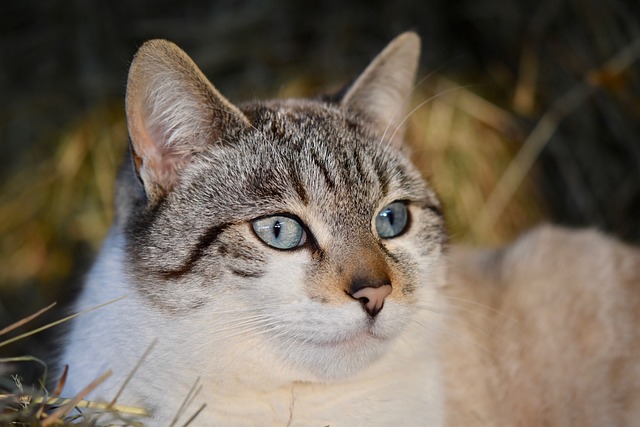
(173, 112)
(381, 94)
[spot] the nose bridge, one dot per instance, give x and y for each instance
(367, 277)
(364, 265)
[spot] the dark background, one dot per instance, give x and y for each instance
(63, 67)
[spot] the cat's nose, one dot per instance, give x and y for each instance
(371, 294)
(372, 299)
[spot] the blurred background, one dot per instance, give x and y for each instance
(525, 111)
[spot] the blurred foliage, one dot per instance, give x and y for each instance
(445, 132)
(495, 71)
(63, 203)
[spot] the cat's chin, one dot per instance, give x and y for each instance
(344, 355)
(354, 341)
(342, 359)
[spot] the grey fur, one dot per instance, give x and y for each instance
(296, 152)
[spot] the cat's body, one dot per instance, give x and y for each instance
(544, 332)
(288, 258)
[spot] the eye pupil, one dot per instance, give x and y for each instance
(276, 229)
(389, 215)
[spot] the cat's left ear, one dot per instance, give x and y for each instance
(381, 94)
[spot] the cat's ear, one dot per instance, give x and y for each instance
(173, 111)
(382, 93)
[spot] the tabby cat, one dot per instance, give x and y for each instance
(291, 266)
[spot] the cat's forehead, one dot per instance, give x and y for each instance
(298, 130)
(293, 119)
(305, 153)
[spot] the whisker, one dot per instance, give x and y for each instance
(250, 310)
(238, 328)
(479, 305)
(484, 350)
(400, 108)
(420, 105)
(289, 342)
(248, 330)
(449, 316)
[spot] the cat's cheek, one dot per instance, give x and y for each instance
(392, 319)
(282, 281)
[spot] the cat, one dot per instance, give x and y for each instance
(290, 264)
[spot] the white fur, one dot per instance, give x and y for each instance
(245, 380)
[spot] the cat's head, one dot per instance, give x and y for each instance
(298, 226)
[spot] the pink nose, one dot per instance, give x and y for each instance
(372, 299)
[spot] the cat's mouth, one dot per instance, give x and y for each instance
(366, 336)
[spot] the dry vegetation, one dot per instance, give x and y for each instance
(35, 405)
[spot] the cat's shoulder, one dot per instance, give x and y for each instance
(548, 254)
(548, 271)
(545, 328)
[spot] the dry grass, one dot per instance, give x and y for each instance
(463, 144)
(29, 405)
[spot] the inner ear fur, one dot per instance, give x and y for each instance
(173, 112)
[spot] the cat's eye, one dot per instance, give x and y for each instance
(392, 220)
(279, 231)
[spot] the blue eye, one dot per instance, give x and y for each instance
(281, 232)
(392, 220)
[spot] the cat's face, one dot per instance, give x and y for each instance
(300, 221)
